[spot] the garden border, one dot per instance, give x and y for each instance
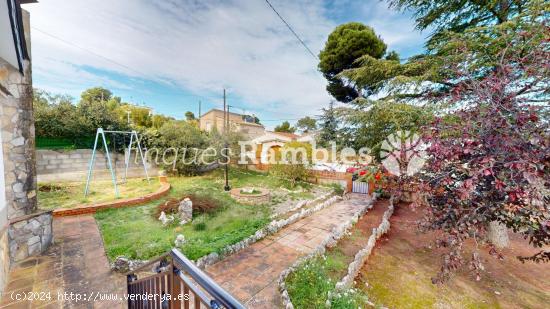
(362, 256)
(92, 208)
(336, 234)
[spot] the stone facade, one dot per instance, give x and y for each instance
(72, 165)
(30, 235)
(23, 231)
(18, 141)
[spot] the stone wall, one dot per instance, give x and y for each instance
(72, 165)
(18, 140)
(30, 235)
(27, 232)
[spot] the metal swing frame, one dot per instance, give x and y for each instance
(133, 134)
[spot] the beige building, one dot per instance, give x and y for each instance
(214, 120)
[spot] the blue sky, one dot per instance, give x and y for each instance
(170, 54)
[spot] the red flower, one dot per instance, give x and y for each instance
(362, 173)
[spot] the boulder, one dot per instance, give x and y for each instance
(185, 211)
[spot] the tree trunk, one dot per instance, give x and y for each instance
(497, 234)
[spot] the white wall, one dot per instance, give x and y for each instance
(7, 47)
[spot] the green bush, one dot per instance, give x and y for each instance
(201, 226)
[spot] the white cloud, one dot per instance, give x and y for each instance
(201, 46)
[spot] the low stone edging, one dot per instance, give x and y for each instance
(272, 228)
(336, 234)
(92, 208)
(263, 197)
(363, 254)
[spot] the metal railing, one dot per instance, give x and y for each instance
(177, 284)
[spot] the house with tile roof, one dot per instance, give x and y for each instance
(244, 124)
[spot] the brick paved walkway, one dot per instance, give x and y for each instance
(75, 263)
(251, 275)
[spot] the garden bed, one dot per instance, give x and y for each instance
(312, 282)
(136, 234)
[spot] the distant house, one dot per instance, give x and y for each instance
(274, 141)
(244, 124)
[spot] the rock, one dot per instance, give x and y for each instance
(34, 249)
(33, 240)
(17, 187)
(180, 240)
(185, 211)
(497, 293)
(123, 264)
(19, 141)
(165, 219)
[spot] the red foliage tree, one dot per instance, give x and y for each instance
(489, 152)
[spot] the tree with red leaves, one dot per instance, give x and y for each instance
(489, 153)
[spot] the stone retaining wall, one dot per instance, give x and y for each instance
(30, 235)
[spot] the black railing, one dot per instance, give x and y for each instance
(178, 283)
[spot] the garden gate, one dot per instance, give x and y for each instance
(360, 187)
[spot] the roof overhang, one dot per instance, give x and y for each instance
(12, 35)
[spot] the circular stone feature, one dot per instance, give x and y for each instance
(251, 196)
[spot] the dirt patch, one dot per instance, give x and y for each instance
(201, 204)
(399, 271)
(50, 188)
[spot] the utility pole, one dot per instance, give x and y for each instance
(200, 114)
(226, 125)
(128, 114)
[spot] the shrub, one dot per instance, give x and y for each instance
(293, 160)
(201, 226)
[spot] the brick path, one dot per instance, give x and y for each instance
(75, 263)
(251, 275)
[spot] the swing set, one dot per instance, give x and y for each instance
(128, 151)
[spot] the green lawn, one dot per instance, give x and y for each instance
(70, 194)
(135, 233)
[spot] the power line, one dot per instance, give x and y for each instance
(113, 61)
(291, 119)
(88, 51)
(291, 30)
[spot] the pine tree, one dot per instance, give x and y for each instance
(329, 126)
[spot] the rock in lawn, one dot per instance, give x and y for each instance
(165, 219)
(185, 211)
(180, 240)
(123, 264)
